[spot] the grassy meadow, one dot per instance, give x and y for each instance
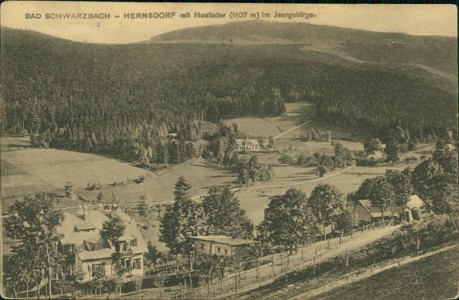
(434, 277)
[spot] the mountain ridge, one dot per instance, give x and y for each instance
(97, 97)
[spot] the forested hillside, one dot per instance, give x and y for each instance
(124, 100)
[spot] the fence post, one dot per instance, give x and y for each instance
(202, 288)
(314, 269)
(352, 233)
(341, 237)
(236, 283)
(259, 274)
(418, 241)
(282, 263)
(328, 244)
(208, 286)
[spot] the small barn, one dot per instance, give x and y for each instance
(365, 213)
(413, 209)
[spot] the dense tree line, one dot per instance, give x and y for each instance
(116, 99)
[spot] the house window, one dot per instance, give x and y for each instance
(91, 246)
(219, 249)
(137, 264)
(127, 264)
(95, 267)
(134, 243)
(68, 249)
(202, 246)
(226, 251)
(121, 247)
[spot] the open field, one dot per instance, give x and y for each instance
(255, 199)
(434, 277)
(56, 167)
(28, 171)
(296, 114)
(159, 186)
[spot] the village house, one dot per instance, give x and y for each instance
(87, 251)
(365, 213)
(220, 245)
(247, 145)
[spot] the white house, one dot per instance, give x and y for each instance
(87, 251)
(247, 145)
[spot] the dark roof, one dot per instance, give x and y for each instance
(84, 226)
(375, 212)
(223, 239)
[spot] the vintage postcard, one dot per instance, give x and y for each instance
(232, 151)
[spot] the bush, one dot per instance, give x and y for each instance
(285, 159)
(207, 154)
(140, 179)
(93, 186)
(410, 159)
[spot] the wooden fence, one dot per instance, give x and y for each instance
(264, 270)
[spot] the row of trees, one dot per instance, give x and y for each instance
(290, 219)
(293, 218)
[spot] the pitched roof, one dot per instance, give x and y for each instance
(223, 239)
(242, 142)
(375, 212)
(414, 202)
(75, 231)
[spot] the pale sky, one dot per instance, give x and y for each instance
(411, 19)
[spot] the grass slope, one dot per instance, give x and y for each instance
(434, 277)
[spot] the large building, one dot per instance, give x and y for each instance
(220, 245)
(87, 251)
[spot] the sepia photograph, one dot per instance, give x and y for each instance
(228, 151)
